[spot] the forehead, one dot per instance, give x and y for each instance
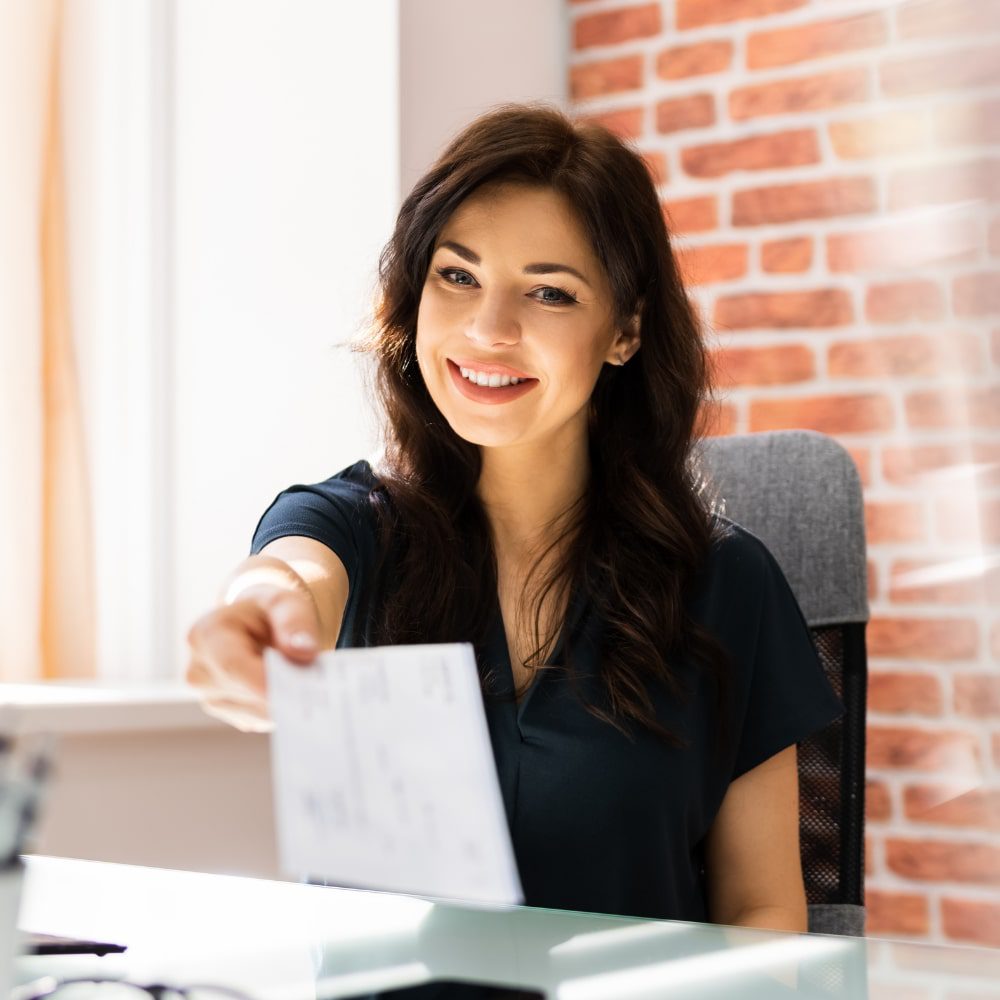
(536, 220)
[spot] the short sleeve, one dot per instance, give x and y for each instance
(786, 694)
(335, 512)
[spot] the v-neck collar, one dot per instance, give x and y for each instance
(498, 653)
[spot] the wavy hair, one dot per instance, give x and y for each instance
(635, 543)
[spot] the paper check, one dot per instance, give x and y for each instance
(384, 775)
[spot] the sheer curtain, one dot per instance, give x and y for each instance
(46, 569)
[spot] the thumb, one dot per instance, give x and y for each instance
(294, 626)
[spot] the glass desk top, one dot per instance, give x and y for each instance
(288, 940)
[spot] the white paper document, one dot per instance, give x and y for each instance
(384, 775)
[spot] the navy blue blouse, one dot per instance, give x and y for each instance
(599, 822)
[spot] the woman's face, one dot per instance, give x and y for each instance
(514, 291)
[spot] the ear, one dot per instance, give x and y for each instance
(627, 341)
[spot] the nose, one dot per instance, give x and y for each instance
(494, 323)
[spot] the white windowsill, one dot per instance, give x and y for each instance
(65, 707)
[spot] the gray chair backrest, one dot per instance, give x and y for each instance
(799, 493)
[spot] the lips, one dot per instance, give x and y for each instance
(487, 394)
(489, 368)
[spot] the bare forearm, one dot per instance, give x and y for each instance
(774, 918)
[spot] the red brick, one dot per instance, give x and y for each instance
(691, 215)
(762, 365)
(873, 590)
(759, 152)
(895, 913)
(905, 355)
(878, 806)
(892, 692)
(955, 581)
(903, 244)
(894, 521)
(899, 301)
(612, 27)
(940, 71)
(941, 861)
(995, 653)
(921, 465)
(858, 414)
(880, 135)
(977, 695)
(977, 294)
(783, 46)
(995, 347)
(974, 123)
(717, 420)
(911, 749)
(969, 180)
(994, 238)
(966, 518)
(694, 60)
(678, 113)
(610, 76)
(929, 639)
(656, 163)
(789, 256)
(702, 265)
(949, 805)
(805, 200)
(862, 459)
(955, 408)
(695, 13)
(822, 307)
(805, 93)
(971, 920)
(624, 122)
(996, 749)
(936, 18)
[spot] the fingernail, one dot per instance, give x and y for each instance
(303, 641)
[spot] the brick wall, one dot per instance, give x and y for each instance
(831, 171)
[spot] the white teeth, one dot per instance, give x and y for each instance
(494, 381)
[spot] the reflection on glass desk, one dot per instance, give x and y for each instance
(289, 940)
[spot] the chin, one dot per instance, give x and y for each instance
(474, 432)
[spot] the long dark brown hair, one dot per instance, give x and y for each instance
(635, 544)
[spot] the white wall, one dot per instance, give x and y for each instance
(456, 60)
(285, 138)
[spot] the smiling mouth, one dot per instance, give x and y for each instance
(489, 387)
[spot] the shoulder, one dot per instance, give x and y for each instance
(353, 483)
(741, 580)
(336, 511)
(737, 552)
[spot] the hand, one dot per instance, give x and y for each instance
(227, 651)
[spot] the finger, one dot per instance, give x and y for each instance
(246, 717)
(226, 652)
(294, 625)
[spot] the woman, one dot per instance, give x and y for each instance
(646, 670)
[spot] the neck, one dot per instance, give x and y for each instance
(526, 492)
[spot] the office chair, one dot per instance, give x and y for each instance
(799, 492)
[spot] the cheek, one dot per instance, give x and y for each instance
(578, 364)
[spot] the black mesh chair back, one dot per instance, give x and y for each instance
(799, 492)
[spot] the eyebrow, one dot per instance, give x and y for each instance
(545, 268)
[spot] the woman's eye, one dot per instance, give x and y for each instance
(453, 274)
(556, 296)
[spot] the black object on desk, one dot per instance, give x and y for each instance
(51, 944)
(453, 989)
